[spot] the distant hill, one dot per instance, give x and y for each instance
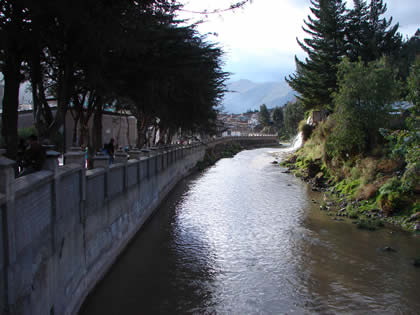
(247, 95)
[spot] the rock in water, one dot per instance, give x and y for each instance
(388, 249)
(415, 216)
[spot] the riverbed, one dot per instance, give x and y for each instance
(242, 237)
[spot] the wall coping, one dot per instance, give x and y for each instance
(28, 183)
(95, 172)
(116, 166)
(68, 169)
(133, 161)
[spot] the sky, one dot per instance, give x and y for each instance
(259, 39)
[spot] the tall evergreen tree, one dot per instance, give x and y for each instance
(356, 30)
(371, 36)
(315, 78)
(384, 38)
(264, 116)
(278, 118)
(410, 49)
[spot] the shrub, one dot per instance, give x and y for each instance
(390, 196)
(24, 133)
(306, 131)
(362, 105)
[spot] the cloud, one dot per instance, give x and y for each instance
(261, 38)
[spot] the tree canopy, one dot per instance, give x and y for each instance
(264, 116)
(120, 54)
(336, 32)
(315, 78)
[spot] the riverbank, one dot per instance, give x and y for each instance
(366, 189)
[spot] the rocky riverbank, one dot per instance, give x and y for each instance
(349, 198)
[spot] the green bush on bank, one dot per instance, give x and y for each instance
(362, 106)
(376, 169)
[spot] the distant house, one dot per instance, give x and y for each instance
(401, 107)
(400, 111)
(243, 118)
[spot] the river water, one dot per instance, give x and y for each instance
(244, 238)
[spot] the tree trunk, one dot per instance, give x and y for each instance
(141, 136)
(170, 135)
(97, 127)
(43, 115)
(12, 78)
(84, 132)
(119, 132)
(65, 86)
(74, 137)
(128, 130)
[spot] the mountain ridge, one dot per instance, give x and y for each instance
(244, 95)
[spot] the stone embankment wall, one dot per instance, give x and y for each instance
(63, 227)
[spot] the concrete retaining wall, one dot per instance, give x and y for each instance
(63, 227)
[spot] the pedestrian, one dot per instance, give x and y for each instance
(20, 154)
(34, 157)
(109, 150)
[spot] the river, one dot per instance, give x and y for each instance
(244, 238)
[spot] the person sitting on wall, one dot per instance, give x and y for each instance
(34, 157)
(20, 155)
(109, 150)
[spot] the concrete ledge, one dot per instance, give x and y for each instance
(95, 172)
(28, 183)
(68, 169)
(2, 199)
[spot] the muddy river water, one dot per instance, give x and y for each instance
(244, 238)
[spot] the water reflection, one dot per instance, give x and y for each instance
(244, 238)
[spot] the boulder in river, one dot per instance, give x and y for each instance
(415, 216)
(388, 249)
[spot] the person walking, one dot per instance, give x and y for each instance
(109, 149)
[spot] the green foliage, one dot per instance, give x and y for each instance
(407, 56)
(24, 133)
(264, 116)
(348, 186)
(361, 32)
(315, 78)
(370, 36)
(293, 114)
(352, 212)
(390, 196)
(306, 130)
(362, 106)
(405, 144)
(129, 55)
(278, 118)
(413, 87)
